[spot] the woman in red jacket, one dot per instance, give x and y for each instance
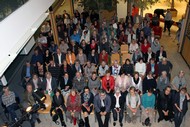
(145, 46)
(108, 83)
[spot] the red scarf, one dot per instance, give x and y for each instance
(72, 98)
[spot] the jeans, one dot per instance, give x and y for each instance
(115, 113)
(178, 118)
(100, 123)
(11, 109)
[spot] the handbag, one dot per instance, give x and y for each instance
(147, 121)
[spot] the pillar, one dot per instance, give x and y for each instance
(72, 7)
(54, 27)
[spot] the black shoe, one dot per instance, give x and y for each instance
(38, 120)
(121, 124)
(114, 123)
(63, 124)
(159, 120)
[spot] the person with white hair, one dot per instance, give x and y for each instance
(117, 106)
(115, 68)
(163, 81)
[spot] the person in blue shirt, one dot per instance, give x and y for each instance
(148, 104)
(75, 37)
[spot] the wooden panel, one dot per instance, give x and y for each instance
(124, 49)
(114, 57)
(186, 49)
(125, 56)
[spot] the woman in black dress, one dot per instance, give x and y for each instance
(87, 99)
(58, 106)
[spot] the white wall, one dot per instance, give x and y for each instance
(17, 29)
(121, 9)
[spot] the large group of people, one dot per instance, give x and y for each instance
(79, 76)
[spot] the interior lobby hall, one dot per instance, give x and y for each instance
(177, 53)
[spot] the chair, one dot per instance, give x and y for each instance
(124, 49)
(125, 56)
(114, 57)
(149, 15)
(138, 115)
(157, 31)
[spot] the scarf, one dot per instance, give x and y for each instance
(86, 97)
(136, 81)
(73, 98)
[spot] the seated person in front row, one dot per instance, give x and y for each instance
(117, 106)
(28, 98)
(58, 106)
(102, 105)
(73, 106)
(164, 104)
(148, 104)
(180, 106)
(87, 99)
(133, 103)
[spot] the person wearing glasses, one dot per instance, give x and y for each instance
(102, 105)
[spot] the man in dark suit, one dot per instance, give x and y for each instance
(160, 12)
(50, 83)
(129, 18)
(36, 82)
(102, 105)
(180, 106)
(59, 57)
(27, 71)
(160, 54)
(65, 82)
(149, 55)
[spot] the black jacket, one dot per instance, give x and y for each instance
(164, 102)
(56, 102)
(121, 102)
(148, 83)
(90, 101)
(62, 83)
(146, 56)
(158, 54)
(128, 68)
